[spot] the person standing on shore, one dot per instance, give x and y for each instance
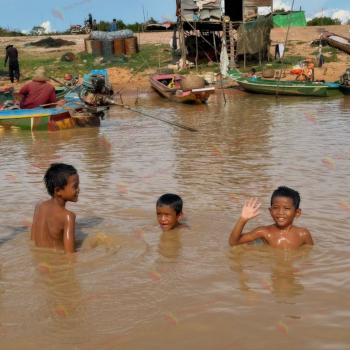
(320, 58)
(12, 56)
(90, 21)
(94, 25)
(113, 26)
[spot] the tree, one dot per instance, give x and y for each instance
(282, 10)
(324, 21)
(348, 21)
(37, 30)
(152, 21)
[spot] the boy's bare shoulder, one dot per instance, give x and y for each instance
(302, 231)
(304, 235)
(51, 210)
(264, 229)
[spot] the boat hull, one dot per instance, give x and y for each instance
(44, 120)
(290, 88)
(174, 94)
(337, 44)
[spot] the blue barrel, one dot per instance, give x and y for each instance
(107, 48)
(96, 47)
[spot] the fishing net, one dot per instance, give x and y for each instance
(50, 42)
(120, 34)
(254, 36)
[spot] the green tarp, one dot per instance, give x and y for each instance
(298, 20)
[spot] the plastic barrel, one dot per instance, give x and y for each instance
(130, 46)
(119, 46)
(88, 46)
(96, 47)
(107, 48)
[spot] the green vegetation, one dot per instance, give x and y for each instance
(327, 49)
(102, 25)
(282, 10)
(324, 21)
(56, 68)
(301, 42)
(10, 32)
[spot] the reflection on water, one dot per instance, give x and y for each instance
(184, 289)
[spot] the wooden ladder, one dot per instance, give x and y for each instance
(228, 36)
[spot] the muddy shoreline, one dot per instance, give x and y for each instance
(299, 45)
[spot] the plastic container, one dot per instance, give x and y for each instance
(209, 77)
(88, 46)
(107, 48)
(96, 47)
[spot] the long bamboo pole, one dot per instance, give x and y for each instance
(285, 46)
(152, 116)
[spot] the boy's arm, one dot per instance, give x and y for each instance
(69, 233)
(307, 237)
(249, 211)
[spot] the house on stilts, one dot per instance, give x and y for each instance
(243, 26)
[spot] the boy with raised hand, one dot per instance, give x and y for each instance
(54, 225)
(283, 234)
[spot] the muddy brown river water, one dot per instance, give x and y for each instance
(130, 286)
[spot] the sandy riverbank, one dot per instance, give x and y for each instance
(299, 45)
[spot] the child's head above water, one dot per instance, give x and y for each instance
(62, 180)
(169, 211)
(285, 206)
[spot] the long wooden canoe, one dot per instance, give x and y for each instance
(291, 88)
(337, 41)
(158, 83)
(48, 119)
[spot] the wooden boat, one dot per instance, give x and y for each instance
(291, 88)
(337, 41)
(49, 119)
(160, 84)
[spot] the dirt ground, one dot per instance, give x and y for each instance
(299, 44)
(301, 38)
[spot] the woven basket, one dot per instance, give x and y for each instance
(192, 82)
(268, 73)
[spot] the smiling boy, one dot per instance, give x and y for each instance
(54, 225)
(169, 211)
(283, 234)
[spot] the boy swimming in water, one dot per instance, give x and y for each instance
(283, 234)
(169, 211)
(54, 225)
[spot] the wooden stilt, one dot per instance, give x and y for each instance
(195, 27)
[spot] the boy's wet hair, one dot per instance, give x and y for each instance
(57, 176)
(171, 200)
(253, 70)
(284, 191)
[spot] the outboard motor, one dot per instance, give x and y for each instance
(96, 88)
